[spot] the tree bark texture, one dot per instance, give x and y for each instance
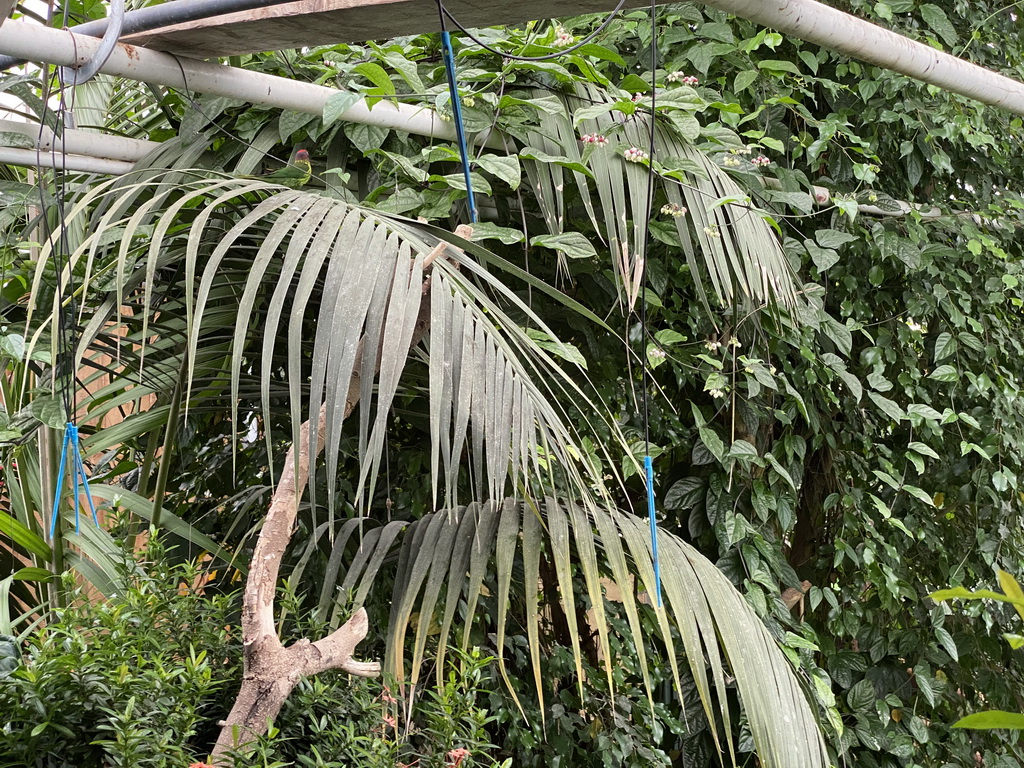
(271, 670)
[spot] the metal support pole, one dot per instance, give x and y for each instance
(30, 158)
(163, 15)
(54, 46)
(77, 142)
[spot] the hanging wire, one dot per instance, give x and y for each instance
(547, 57)
(644, 366)
(460, 128)
(67, 342)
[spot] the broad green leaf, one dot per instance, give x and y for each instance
(889, 408)
(572, 244)
(945, 373)
(376, 74)
(505, 168)
(338, 104)
(945, 345)
(991, 720)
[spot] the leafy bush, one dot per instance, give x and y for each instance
(334, 721)
(133, 680)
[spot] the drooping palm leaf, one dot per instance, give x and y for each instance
(359, 274)
(441, 562)
(733, 243)
(266, 251)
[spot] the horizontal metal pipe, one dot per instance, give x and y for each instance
(30, 158)
(832, 29)
(81, 142)
(163, 15)
(54, 46)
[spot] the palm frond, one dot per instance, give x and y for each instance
(359, 275)
(732, 242)
(441, 562)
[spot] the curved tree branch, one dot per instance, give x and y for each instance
(271, 670)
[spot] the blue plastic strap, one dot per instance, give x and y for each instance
(78, 478)
(649, 467)
(460, 129)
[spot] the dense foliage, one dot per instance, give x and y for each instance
(868, 441)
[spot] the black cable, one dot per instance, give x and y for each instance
(645, 372)
(546, 57)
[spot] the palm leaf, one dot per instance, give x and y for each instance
(359, 274)
(719, 631)
(734, 242)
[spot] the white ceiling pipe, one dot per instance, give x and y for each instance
(30, 158)
(832, 29)
(81, 142)
(53, 46)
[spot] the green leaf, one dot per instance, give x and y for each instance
(376, 74)
(992, 719)
(14, 345)
(50, 411)
(634, 84)
(861, 697)
(936, 18)
(945, 373)
(32, 574)
(744, 79)
(486, 230)
(923, 449)
(572, 244)
(15, 139)
(887, 406)
(920, 494)
(833, 238)
(773, 65)
(338, 104)
(505, 168)
(684, 494)
(923, 411)
(823, 258)
(945, 345)
(558, 348)
(24, 537)
(946, 641)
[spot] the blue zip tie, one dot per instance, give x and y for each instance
(649, 467)
(78, 477)
(460, 129)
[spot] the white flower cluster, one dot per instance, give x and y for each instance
(634, 155)
(716, 393)
(563, 39)
(712, 346)
(594, 138)
(731, 162)
(761, 161)
(712, 231)
(657, 352)
(682, 77)
(674, 210)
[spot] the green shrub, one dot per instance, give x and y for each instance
(133, 680)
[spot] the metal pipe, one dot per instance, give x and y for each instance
(99, 145)
(832, 29)
(30, 158)
(61, 47)
(163, 15)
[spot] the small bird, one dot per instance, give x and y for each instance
(296, 174)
